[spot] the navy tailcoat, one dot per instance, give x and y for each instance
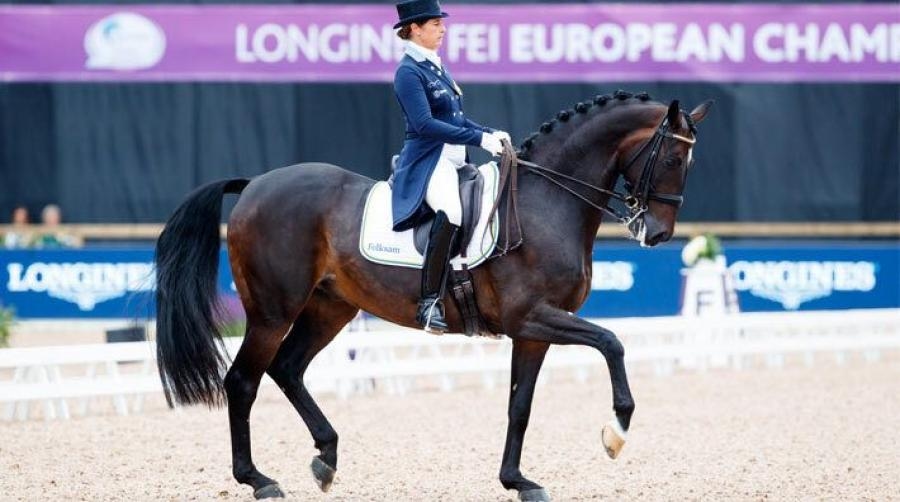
(432, 107)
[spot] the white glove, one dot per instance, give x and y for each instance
(491, 143)
(501, 135)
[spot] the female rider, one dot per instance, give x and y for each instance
(437, 132)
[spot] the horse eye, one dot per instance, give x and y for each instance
(672, 162)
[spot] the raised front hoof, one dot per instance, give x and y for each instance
(534, 495)
(272, 491)
(323, 473)
(613, 437)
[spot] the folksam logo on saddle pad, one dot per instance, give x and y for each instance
(792, 283)
(381, 248)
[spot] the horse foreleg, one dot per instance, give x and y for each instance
(527, 358)
(316, 327)
(552, 325)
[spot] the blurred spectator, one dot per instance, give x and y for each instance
(20, 235)
(50, 235)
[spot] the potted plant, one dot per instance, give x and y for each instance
(7, 319)
(701, 248)
(707, 287)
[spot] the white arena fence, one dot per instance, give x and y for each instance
(396, 361)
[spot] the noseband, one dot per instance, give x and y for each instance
(639, 195)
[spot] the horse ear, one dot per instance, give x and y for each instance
(673, 112)
(699, 113)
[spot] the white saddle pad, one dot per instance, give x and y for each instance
(379, 244)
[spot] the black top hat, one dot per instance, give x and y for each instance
(418, 10)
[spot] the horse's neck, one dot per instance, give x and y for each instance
(553, 207)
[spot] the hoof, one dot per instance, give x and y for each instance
(613, 437)
(323, 473)
(269, 492)
(534, 495)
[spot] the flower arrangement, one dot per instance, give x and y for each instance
(701, 247)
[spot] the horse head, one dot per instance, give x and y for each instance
(655, 161)
(586, 150)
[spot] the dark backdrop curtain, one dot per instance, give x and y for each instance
(130, 152)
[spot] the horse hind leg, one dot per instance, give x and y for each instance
(260, 345)
(321, 320)
(276, 282)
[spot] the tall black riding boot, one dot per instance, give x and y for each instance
(430, 314)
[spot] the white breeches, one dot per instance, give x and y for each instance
(443, 187)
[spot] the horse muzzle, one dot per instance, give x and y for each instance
(649, 231)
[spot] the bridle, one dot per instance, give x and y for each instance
(637, 196)
(635, 200)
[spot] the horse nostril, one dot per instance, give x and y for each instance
(657, 237)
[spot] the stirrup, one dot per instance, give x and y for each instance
(431, 317)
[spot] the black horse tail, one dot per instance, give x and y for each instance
(191, 364)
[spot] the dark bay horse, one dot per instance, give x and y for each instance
(293, 242)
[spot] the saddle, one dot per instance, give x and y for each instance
(488, 197)
(471, 193)
(471, 189)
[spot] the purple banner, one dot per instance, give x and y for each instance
(483, 43)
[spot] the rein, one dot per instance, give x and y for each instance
(509, 181)
(545, 173)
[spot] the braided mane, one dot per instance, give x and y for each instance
(599, 104)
